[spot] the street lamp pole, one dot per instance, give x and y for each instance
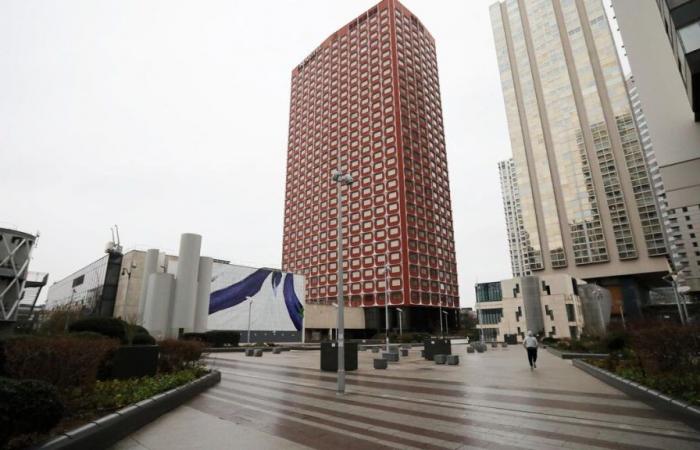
(400, 324)
(250, 306)
(343, 180)
(447, 325)
(386, 304)
(442, 334)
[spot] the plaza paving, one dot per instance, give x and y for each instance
(491, 400)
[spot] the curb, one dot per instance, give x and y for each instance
(678, 409)
(576, 355)
(110, 429)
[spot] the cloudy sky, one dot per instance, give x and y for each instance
(171, 116)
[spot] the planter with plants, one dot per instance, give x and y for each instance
(66, 381)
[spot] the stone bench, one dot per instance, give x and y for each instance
(380, 363)
(258, 352)
(440, 359)
(277, 350)
(249, 351)
(390, 356)
(452, 360)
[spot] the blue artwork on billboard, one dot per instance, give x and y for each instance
(223, 301)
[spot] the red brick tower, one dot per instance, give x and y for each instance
(369, 95)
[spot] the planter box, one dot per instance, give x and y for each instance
(110, 429)
(677, 409)
(134, 361)
(329, 356)
(390, 356)
(380, 363)
(436, 346)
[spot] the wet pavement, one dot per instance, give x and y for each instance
(491, 400)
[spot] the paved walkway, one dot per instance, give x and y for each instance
(490, 400)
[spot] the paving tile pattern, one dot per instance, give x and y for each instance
(491, 400)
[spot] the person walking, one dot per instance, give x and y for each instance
(530, 344)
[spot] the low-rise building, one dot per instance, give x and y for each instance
(548, 305)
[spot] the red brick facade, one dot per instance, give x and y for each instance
(370, 96)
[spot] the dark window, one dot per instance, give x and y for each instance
(78, 281)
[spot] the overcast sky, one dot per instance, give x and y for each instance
(171, 116)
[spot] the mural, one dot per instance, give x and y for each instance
(236, 289)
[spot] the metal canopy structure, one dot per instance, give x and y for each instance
(15, 253)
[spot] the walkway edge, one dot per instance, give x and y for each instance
(680, 410)
(110, 429)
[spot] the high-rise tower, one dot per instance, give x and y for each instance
(514, 217)
(587, 200)
(368, 100)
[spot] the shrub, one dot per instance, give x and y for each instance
(27, 406)
(113, 328)
(63, 361)
(194, 337)
(178, 355)
(615, 341)
(664, 346)
(113, 394)
(222, 338)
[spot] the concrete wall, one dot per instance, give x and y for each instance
(673, 131)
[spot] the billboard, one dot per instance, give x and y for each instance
(273, 298)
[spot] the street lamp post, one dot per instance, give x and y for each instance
(442, 334)
(250, 306)
(447, 325)
(386, 304)
(343, 179)
(400, 324)
(672, 280)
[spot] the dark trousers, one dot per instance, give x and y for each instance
(532, 355)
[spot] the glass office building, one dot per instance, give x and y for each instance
(586, 198)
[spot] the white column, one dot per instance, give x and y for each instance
(201, 314)
(150, 266)
(159, 301)
(186, 283)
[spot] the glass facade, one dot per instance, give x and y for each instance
(488, 292)
(573, 133)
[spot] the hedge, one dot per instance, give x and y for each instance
(114, 328)
(27, 406)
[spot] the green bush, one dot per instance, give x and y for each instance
(27, 406)
(194, 337)
(63, 361)
(113, 328)
(222, 338)
(177, 355)
(114, 394)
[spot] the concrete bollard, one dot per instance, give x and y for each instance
(249, 351)
(494, 344)
(439, 359)
(375, 349)
(404, 352)
(422, 353)
(258, 352)
(504, 345)
(452, 360)
(277, 350)
(390, 356)
(470, 349)
(380, 363)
